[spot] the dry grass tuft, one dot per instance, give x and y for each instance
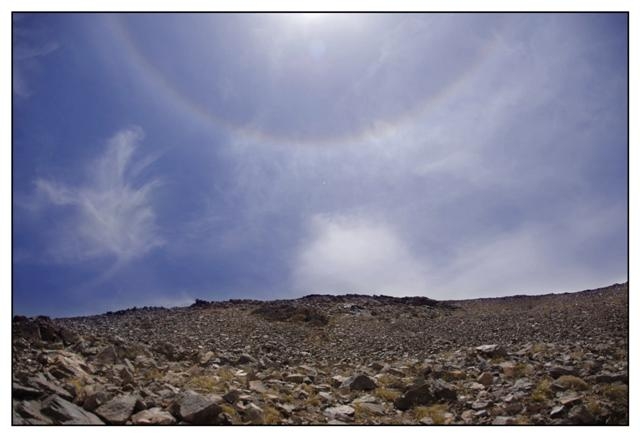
(542, 392)
(387, 394)
(573, 382)
(203, 383)
(271, 415)
(435, 412)
(618, 393)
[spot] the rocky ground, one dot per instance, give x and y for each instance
(352, 359)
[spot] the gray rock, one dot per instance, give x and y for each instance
(557, 411)
(557, 371)
(359, 382)
(153, 416)
(127, 376)
(371, 408)
(29, 411)
(336, 381)
(196, 408)
(94, 400)
(580, 415)
(570, 399)
(68, 336)
(20, 391)
(118, 409)
(608, 378)
(481, 405)
(246, 359)
(232, 396)
(490, 350)
(503, 420)
(40, 382)
(66, 413)
(486, 379)
(205, 358)
(296, 378)
(341, 412)
(257, 386)
(107, 356)
(254, 414)
(425, 394)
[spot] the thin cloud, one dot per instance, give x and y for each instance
(349, 254)
(27, 55)
(110, 215)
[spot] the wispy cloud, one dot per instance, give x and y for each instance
(110, 213)
(26, 57)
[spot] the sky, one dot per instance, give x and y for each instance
(159, 158)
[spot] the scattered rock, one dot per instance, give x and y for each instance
(557, 371)
(118, 410)
(254, 414)
(425, 394)
(66, 413)
(196, 408)
(490, 351)
(342, 412)
(557, 411)
(296, 378)
(21, 392)
(369, 408)
(485, 379)
(153, 416)
(107, 356)
(571, 347)
(359, 382)
(246, 359)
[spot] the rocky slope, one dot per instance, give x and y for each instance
(552, 359)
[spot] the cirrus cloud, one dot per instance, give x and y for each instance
(110, 215)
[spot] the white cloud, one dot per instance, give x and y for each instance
(111, 215)
(350, 254)
(26, 58)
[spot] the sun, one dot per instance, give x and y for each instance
(310, 17)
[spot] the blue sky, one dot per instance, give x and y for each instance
(160, 158)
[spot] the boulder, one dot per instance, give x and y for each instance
(20, 391)
(196, 408)
(94, 400)
(425, 394)
(40, 382)
(29, 411)
(359, 382)
(118, 409)
(107, 356)
(66, 413)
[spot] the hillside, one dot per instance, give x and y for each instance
(551, 359)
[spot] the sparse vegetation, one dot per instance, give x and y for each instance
(203, 383)
(616, 392)
(271, 416)
(387, 394)
(435, 412)
(572, 382)
(542, 392)
(422, 371)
